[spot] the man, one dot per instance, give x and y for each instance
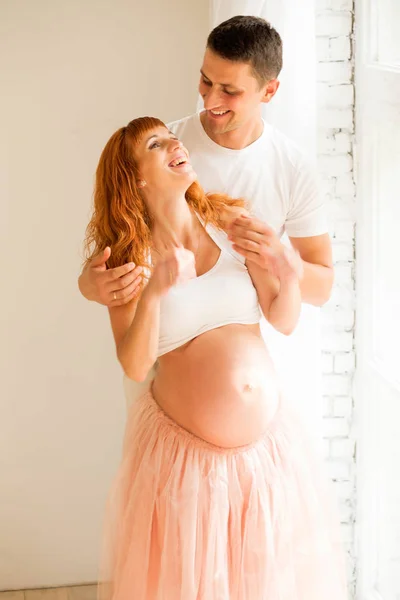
(233, 151)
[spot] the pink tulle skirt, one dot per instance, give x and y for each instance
(191, 521)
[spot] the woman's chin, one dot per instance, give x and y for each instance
(179, 180)
(188, 177)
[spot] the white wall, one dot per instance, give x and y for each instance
(335, 116)
(73, 72)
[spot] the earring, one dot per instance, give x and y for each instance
(142, 183)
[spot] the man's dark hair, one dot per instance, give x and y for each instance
(251, 40)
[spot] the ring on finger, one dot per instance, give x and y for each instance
(115, 295)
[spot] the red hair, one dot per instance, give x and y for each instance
(120, 218)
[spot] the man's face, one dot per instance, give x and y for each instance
(231, 94)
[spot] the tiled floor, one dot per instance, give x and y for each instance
(78, 592)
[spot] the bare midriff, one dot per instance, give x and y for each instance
(221, 386)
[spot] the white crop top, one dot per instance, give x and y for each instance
(223, 295)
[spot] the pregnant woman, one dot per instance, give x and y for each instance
(218, 496)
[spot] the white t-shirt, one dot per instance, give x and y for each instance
(271, 174)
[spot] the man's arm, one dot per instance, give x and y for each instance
(306, 227)
(316, 254)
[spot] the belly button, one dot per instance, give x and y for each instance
(248, 387)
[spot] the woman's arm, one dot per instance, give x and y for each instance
(136, 325)
(136, 330)
(279, 296)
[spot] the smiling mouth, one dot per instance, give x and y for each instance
(219, 113)
(178, 162)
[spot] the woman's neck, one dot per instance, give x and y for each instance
(176, 224)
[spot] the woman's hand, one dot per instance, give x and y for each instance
(175, 267)
(286, 264)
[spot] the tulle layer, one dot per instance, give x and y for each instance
(190, 521)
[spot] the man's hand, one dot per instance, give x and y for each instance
(258, 243)
(111, 287)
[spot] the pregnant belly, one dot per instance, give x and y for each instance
(221, 386)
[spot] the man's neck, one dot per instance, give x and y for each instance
(239, 138)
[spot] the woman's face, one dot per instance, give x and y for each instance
(163, 162)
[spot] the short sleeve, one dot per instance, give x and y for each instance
(306, 216)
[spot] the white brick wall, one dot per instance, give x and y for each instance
(335, 143)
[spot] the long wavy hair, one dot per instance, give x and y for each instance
(120, 218)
